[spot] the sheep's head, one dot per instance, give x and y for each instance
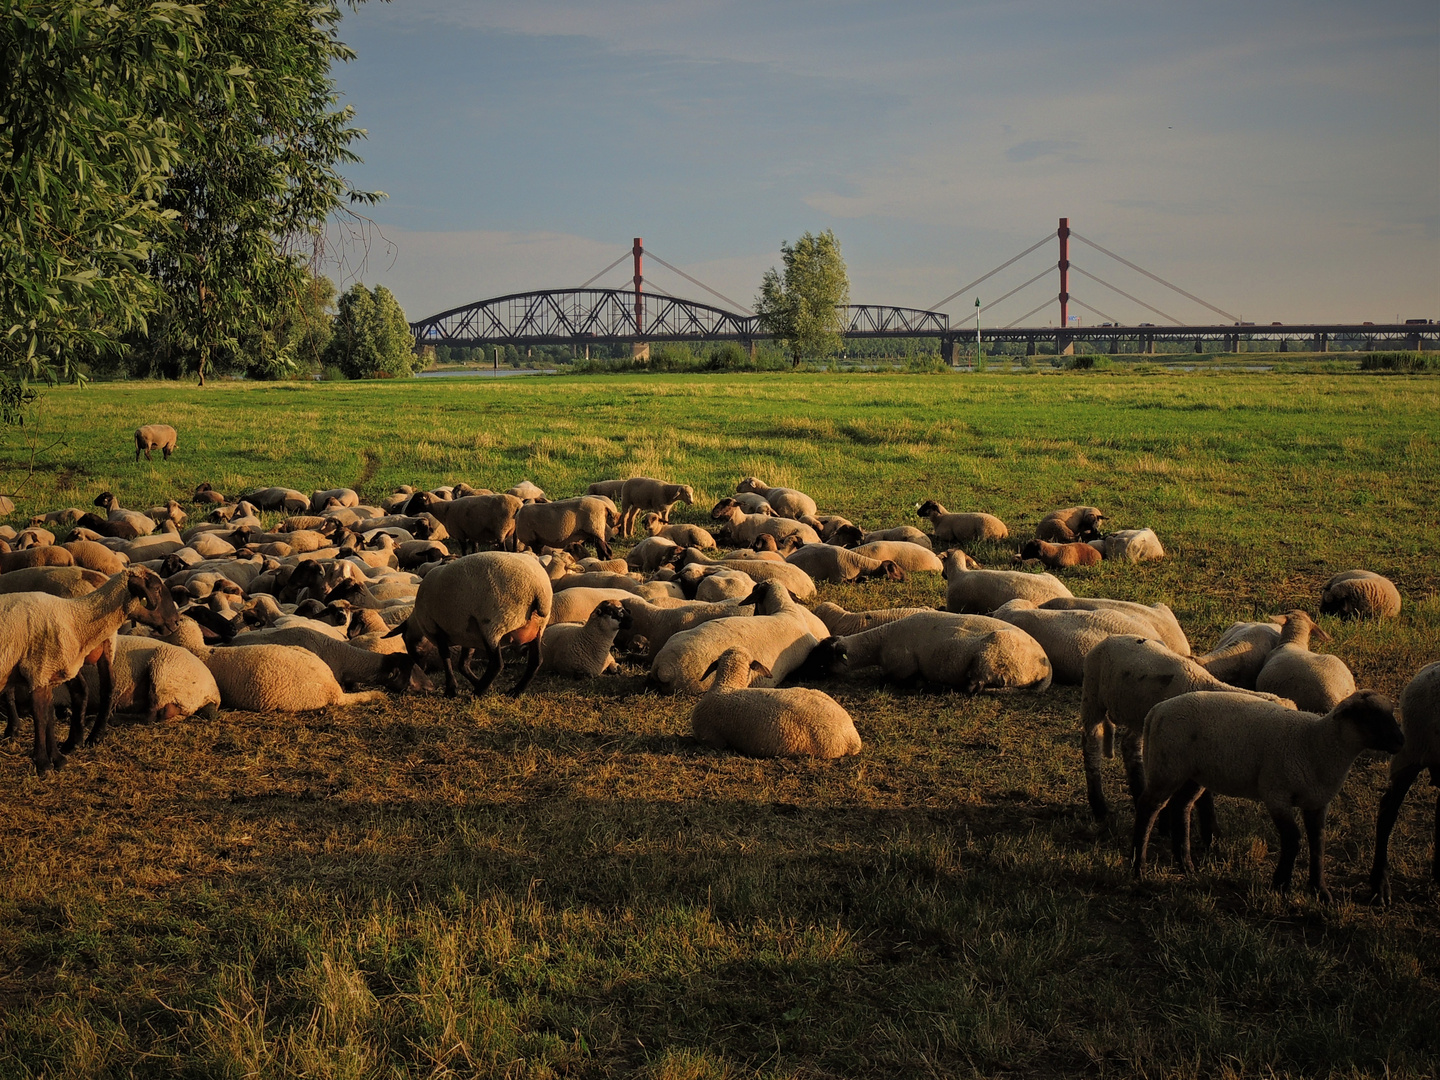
(1088, 527)
(929, 509)
(1032, 549)
(890, 570)
(764, 542)
(724, 510)
(847, 536)
(752, 483)
(610, 615)
(150, 602)
(686, 495)
(734, 668)
(1374, 715)
(107, 500)
(955, 562)
(829, 657)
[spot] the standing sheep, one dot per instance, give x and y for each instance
(1420, 713)
(1316, 682)
(564, 522)
(1360, 594)
(793, 722)
(642, 494)
(961, 528)
(160, 437)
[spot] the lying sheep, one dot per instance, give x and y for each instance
(911, 558)
(156, 680)
(1235, 745)
(171, 511)
(1160, 619)
(778, 635)
(658, 623)
(559, 524)
(652, 553)
(527, 492)
(1069, 525)
(971, 652)
(792, 722)
(26, 558)
(754, 504)
(206, 494)
(907, 534)
(640, 494)
(350, 666)
(1420, 713)
(824, 562)
(745, 528)
(1241, 652)
(1360, 594)
(787, 502)
(320, 500)
(961, 528)
(583, 649)
(278, 498)
(979, 592)
(575, 605)
(1129, 545)
(67, 581)
(278, 678)
(1316, 682)
(841, 622)
(1068, 636)
(724, 585)
(160, 437)
(800, 585)
(684, 535)
(1056, 556)
(97, 557)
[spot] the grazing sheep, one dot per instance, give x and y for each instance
(961, 528)
(907, 534)
(841, 622)
(527, 492)
(640, 494)
(1069, 525)
(1057, 555)
(1420, 713)
(787, 502)
(160, 437)
(564, 522)
(911, 558)
(979, 592)
(1316, 682)
(476, 520)
(279, 678)
(1161, 619)
(684, 535)
(1124, 678)
(1360, 594)
(1130, 545)
(824, 562)
(971, 652)
(1068, 636)
(483, 601)
(745, 528)
(1232, 744)
(1241, 652)
(778, 635)
(793, 722)
(583, 649)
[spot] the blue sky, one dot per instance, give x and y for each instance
(1279, 159)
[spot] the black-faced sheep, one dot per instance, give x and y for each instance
(160, 437)
(961, 528)
(583, 649)
(1069, 525)
(1360, 594)
(792, 722)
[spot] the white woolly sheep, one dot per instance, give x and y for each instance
(961, 528)
(559, 524)
(912, 558)
(476, 520)
(609, 488)
(156, 680)
(527, 492)
(1360, 594)
(907, 534)
(583, 649)
(824, 562)
(685, 535)
(799, 583)
(787, 502)
(974, 591)
(658, 623)
(1233, 744)
(1068, 636)
(278, 678)
(1420, 714)
(745, 529)
(652, 553)
(351, 666)
(724, 585)
(320, 500)
(778, 635)
(792, 722)
(841, 622)
(598, 579)
(1316, 682)
(1161, 619)
(753, 504)
(1130, 545)
(160, 437)
(575, 605)
(1241, 652)
(640, 494)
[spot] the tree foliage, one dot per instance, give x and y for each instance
(372, 337)
(805, 308)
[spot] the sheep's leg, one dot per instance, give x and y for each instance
(1315, 835)
(1289, 846)
(1145, 814)
(12, 722)
(1208, 821)
(532, 661)
(107, 696)
(442, 645)
(1183, 807)
(79, 706)
(45, 754)
(1132, 753)
(494, 662)
(1390, 804)
(601, 547)
(1095, 790)
(1435, 867)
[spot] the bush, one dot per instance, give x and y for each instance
(1400, 361)
(331, 373)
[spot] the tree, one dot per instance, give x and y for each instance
(805, 309)
(372, 338)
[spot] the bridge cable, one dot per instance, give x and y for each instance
(1012, 292)
(1096, 311)
(1127, 296)
(1038, 244)
(1155, 277)
(1032, 311)
(607, 269)
(739, 307)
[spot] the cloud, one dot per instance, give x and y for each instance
(1031, 149)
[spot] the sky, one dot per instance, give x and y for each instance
(1280, 160)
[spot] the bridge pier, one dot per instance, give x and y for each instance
(950, 351)
(1030, 345)
(1321, 343)
(1413, 342)
(1284, 345)
(641, 350)
(1064, 345)
(1114, 346)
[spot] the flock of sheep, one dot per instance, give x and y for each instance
(141, 612)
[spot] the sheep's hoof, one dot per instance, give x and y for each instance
(1324, 895)
(57, 762)
(1380, 893)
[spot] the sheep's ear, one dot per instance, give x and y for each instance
(711, 669)
(756, 665)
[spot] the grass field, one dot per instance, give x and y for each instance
(568, 885)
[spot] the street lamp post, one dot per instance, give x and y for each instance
(977, 333)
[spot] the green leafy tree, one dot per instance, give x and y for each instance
(372, 338)
(805, 308)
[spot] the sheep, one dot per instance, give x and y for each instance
(1241, 652)
(778, 635)
(800, 585)
(575, 605)
(1124, 677)
(349, 665)
(486, 601)
(26, 558)
(67, 581)
(156, 680)
(643, 493)
(745, 528)
(1068, 636)
(475, 520)
(658, 623)
(320, 500)
(1161, 619)
(972, 652)
(527, 492)
(629, 583)
(37, 537)
(1071, 524)
(830, 524)
(961, 528)
(724, 585)
(206, 494)
(142, 524)
(1232, 744)
(1360, 594)
(978, 592)
(582, 649)
(911, 558)
(1420, 713)
(95, 557)
(609, 488)
(753, 504)
(160, 437)
(652, 553)
(684, 535)
(1129, 545)
(792, 722)
(823, 562)
(905, 533)
(1057, 555)
(841, 622)
(787, 502)
(278, 678)
(565, 522)
(278, 498)
(768, 547)
(1316, 682)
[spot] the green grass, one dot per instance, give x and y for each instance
(569, 886)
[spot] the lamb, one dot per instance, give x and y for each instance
(1057, 555)
(1316, 682)
(279, 678)
(1161, 619)
(584, 649)
(564, 522)
(1234, 745)
(841, 622)
(961, 528)
(1071, 524)
(1241, 652)
(485, 601)
(972, 652)
(1124, 678)
(160, 437)
(1360, 594)
(787, 502)
(745, 528)
(979, 592)
(1420, 713)
(643, 493)
(1068, 636)
(905, 533)
(778, 635)
(793, 722)
(911, 558)
(824, 562)
(320, 500)
(1130, 545)
(684, 535)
